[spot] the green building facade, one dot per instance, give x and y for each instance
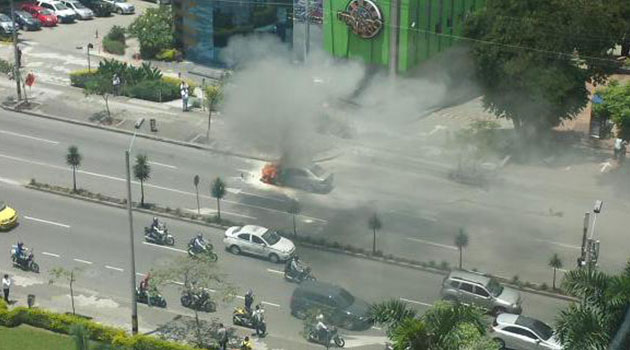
(382, 32)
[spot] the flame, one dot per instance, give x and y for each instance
(270, 173)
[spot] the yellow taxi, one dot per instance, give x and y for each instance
(8, 217)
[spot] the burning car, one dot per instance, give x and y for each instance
(311, 178)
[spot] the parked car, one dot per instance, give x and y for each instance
(8, 217)
(161, 2)
(259, 241)
(311, 177)
(345, 310)
(25, 20)
(46, 17)
(122, 7)
(79, 9)
(481, 290)
(100, 7)
(7, 26)
(523, 333)
(63, 13)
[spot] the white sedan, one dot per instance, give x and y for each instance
(258, 240)
(523, 333)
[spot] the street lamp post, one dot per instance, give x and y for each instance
(89, 46)
(590, 246)
(132, 277)
(16, 53)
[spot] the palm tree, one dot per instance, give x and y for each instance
(217, 190)
(374, 223)
(73, 159)
(555, 263)
(142, 173)
(294, 209)
(461, 242)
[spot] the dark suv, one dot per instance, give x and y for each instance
(99, 7)
(344, 309)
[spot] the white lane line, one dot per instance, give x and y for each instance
(28, 137)
(114, 268)
(10, 182)
(445, 246)
(415, 302)
(240, 297)
(564, 245)
(140, 274)
(165, 247)
(377, 328)
(177, 283)
(51, 254)
(270, 304)
(276, 271)
(163, 165)
(83, 261)
(46, 221)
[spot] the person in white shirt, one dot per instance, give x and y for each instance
(6, 285)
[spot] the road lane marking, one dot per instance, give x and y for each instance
(209, 211)
(46, 221)
(51, 254)
(140, 274)
(564, 245)
(10, 182)
(276, 271)
(84, 172)
(28, 137)
(270, 304)
(240, 297)
(83, 261)
(163, 165)
(416, 302)
(377, 328)
(114, 268)
(445, 246)
(177, 283)
(165, 247)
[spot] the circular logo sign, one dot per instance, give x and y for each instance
(363, 17)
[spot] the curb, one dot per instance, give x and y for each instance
(138, 134)
(384, 260)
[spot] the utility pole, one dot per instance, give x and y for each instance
(307, 28)
(590, 246)
(16, 63)
(394, 26)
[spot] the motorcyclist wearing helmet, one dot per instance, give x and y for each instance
(294, 266)
(246, 344)
(321, 327)
(249, 300)
(199, 243)
(155, 228)
(20, 251)
(144, 284)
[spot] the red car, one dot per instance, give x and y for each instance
(45, 16)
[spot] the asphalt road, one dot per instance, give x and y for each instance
(72, 233)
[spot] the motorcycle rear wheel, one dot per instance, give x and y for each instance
(35, 267)
(209, 306)
(339, 341)
(213, 257)
(169, 241)
(186, 300)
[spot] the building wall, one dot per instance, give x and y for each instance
(426, 28)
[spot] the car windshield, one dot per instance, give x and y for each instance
(271, 237)
(61, 6)
(317, 170)
(22, 14)
(543, 330)
(494, 287)
(120, 0)
(344, 298)
(78, 5)
(2, 206)
(4, 18)
(45, 12)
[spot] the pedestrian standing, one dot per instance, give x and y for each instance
(116, 84)
(184, 93)
(6, 285)
(618, 145)
(223, 337)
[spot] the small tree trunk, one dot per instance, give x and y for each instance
(72, 291)
(106, 98)
(74, 178)
(198, 324)
(198, 207)
(294, 227)
(219, 209)
(142, 193)
(209, 123)
(374, 242)
(460, 258)
(554, 279)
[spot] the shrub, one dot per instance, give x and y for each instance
(169, 55)
(116, 33)
(432, 263)
(154, 90)
(155, 31)
(378, 253)
(336, 245)
(544, 286)
(5, 66)
(113, 46)
(80, 78)
(444, 265)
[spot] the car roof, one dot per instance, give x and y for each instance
(318, 287)
(469, 276)
(507, 319)
(254, 229)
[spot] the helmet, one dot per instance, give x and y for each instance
(200, 235)
(320, 317)
(249, 293)
(257, 307)
(155, 218)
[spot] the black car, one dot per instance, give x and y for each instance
(99, 7)
(343, 308)
(25, 20)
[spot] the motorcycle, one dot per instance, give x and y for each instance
(194, 250)
(332, 335)
(150, 298)
(198, 301)
(161, 236)
(298, 277)
(241, 317)
(27, 263)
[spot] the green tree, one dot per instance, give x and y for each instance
(555, 263)
(142, 173)
(212, 94)
(100, 85)
(199, 273)
(73, 159)
(374, 224)
(461, 242)
(218, 190)
(616, 107)
(593, 322)
(155, 30)
(70, 276)
(533, 58)
(294, 209)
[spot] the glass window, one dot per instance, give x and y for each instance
(454, 284)
(520, 331)
(257, 240)
(344, 299)
(466, 287)
(481, 291)
(4, 18)
(244, 236)
(271, 237)
(494, 287)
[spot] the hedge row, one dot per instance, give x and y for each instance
(62, 323)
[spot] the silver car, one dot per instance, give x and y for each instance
(259, 241)
(312, 178)
(78, 8)
(482, 291)
(122, 6)
(523, 333)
